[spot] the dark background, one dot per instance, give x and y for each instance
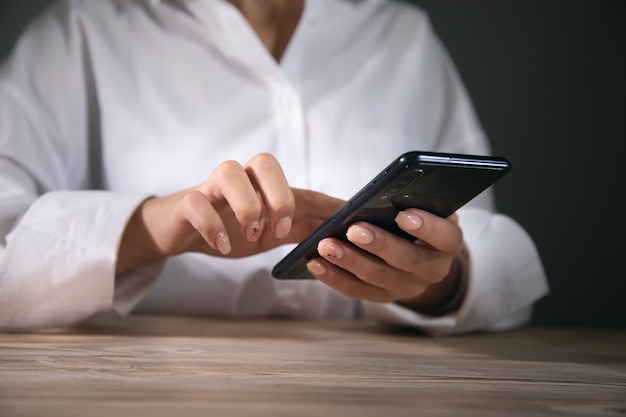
(548, 81)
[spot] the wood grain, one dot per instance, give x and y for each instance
(186, 366)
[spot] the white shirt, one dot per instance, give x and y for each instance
(104, 103)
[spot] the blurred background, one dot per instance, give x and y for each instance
(548, 79)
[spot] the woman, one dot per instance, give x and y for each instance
(111, 112)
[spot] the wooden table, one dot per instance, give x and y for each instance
(174, 366)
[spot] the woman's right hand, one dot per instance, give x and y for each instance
(239, 210)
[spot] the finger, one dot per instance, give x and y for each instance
(269, 180)
(346, 283)
(422, 261)
(198, 211)
(395, 251)
(442, 234)
(312, 208)
(315, 205)
(370, 269)
(229, 184)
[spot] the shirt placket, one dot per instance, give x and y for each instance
(239, 42)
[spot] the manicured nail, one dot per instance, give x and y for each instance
(330, 250)
(359, 234)
(409, 221)
(316, 267)
(222, 243)
(253, 231)
(282, 227)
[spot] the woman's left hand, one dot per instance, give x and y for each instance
(381, 267)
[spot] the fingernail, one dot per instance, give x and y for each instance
(409, 221)
(222, 243)
(359, 234)
(330, 250)
(282, 227)
(253, 231)
(316, 268)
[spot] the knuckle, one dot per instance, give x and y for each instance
(191, 203)
(227, 169)
(284, 204)
(250, 213)
(263, 160)
(190, 199)
(410, 261)
(380, 276)
(380, 243)
(440, 271)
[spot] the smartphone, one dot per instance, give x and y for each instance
(438, 182)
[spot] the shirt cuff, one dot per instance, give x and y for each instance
(131, 287)
(506, 277)
(58, 267)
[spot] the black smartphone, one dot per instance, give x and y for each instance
(438, 182)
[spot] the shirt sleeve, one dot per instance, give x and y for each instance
(506, 277)
(58, 265)
(505, 274)
(58, 239)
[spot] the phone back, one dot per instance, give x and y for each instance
(437, 182)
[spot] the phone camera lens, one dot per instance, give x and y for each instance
(403, 183)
